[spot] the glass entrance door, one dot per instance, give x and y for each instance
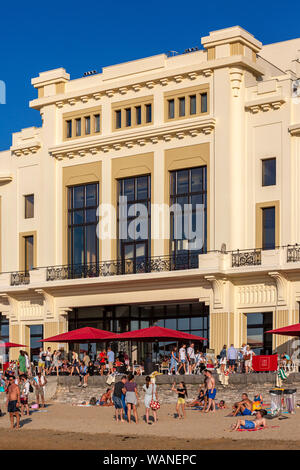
(134, 257)
(257, 325)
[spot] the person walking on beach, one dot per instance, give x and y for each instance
(191, 358)
(39, 383)
(174, 361)
(13, 402)
(24, 388)
(150, 396)
(182, 393)
(232, 357)
(131, 397)
(182, 358)
(111, 360)
(210, 391)
(118, 392)
(22, 363)
(223, 356)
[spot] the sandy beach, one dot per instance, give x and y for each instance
(76, 427)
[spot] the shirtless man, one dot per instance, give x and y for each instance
(210, 391)
(244, 406)
(258, 422)
(13, 402)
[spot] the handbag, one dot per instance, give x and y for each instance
(154, 404)
(247, 357)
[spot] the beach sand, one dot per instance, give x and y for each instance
(73, 427)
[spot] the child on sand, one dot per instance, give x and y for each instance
(222, 405)
(182, 393)
(258, 423)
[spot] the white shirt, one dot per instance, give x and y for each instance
(182, 353)
(191, 352)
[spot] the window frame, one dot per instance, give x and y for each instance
(70, 121)
(187, 94)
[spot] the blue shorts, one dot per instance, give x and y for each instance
(211, 393)
(117, 402)
(232, 362)
(248, 425)
(246, 412)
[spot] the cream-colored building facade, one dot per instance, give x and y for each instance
(239, 109)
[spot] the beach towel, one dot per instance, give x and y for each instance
(258, 429)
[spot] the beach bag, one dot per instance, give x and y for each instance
(93, 401)
(30, 388)
(110, 379)
(154, 404)
(247, 357)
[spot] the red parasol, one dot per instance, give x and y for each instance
(81, 335)
(12, 345)
(155, 333)
(291, 330)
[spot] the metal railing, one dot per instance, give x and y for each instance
(293, 253)
(121, 267)
(19, 278)
(245, 258)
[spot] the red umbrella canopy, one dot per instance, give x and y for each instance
(155, 333)
(291, 330)
(81, 335)
(12, 345)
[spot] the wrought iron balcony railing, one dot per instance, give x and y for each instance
(245, 258)
(19, 278)
(120, 267)
(293, 253)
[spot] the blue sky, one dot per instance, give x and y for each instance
(82, 36)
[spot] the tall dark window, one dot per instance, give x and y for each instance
(138, 114)
(203, 102)
(269, 172)
(268, 228)
(83, 202)
(4, 328)
(36, 334)
(257, 325)
(28, 253)
(128, 117)
(171, 109)
(148, 112)
(188, 187)
(29, 206)
(134, 235)
(181, 106)
(118, 119)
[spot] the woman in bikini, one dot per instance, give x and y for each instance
(182, 393)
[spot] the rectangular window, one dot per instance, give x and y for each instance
(29, 206)
(69, 129)
(203, 102)
(148, 113)
(257, 326)
(78, 127)
(138, 114)
(118, 119)
(97, 122)
(128, 117)
(36, 334)
(171, 109)
(134, 243)
(87, 121)
(269, 172)
(83, 203)
(188, 187)
(193, 108)
(268, 228)
(29, 253)
(181, 106)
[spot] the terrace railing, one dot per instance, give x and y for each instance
(245, 258)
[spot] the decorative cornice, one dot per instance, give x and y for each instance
(281, 286)
(28, 149)
(189, 73)
(265, 104)
(294, 130)
(128, 139)
(218, 286)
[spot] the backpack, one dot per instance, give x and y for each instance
(30, 388)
